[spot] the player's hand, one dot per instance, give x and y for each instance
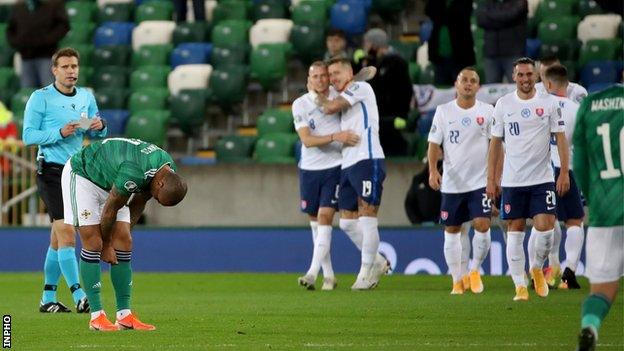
(69, 129)
(495, 211)
(563, 183)
(96, 124)
(347, 138)
(108, 254)
(492, 190)
(435, 179)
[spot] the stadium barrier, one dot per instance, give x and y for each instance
(410, 250)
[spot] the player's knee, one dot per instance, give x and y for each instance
(325, 216)
(481, 225)
(574, 223)
(453, 229)
(347, 224)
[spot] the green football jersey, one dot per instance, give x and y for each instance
(598, 162)
(128, 164)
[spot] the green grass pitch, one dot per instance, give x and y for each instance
(270, 312)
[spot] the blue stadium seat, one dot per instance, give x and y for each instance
(113, 33)
(599, 72)
(598, 86)
(533, 48)
(349, 17)
(190, 53)
(367, 4)
(115, 121)
(425, 30)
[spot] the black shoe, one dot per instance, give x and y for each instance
(569, 278)
(587, 340)
(83, 306)
(53, 307)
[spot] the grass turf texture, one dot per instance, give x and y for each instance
(270, 312)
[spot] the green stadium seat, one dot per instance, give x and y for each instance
(572, 67)
(406, 49)
(235, 148)
(81, 11)
(149, 76)
(109, 77)
(589, 7)
(228, 84)
(86, 53)
(268, 64)
(154, 11)
(19, 100)
(118, 55)
(230, 55)
(600, 49)
(111, 98)
(553, 8)
(152, 55)
(427, 75)
(310, 12)
(149, 125)
(230, 10)
(116, 12)
(414, 72)
(557, 29)
(79, 33)
(6, 56)
(275, 121)
(567, 50)
(231, 33)
(148, 99)
(3, 38)
(277, 148)
(85, 75)
(9, 80)
(269, 9)
(308, 41)
(188, 107)
(191, 32)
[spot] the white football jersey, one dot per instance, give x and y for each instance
(307, 114)
(464, 135)
(362, 118)
(568, 112)
(575, 92)
(526, 126)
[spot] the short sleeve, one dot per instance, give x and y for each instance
(498, 126)
(130, 179)
(298, 113)
(557, 122)
(436, 134)
(356, 92)
(489, 119)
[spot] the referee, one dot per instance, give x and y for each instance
(55, 119)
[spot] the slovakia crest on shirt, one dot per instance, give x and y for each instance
(539, 111)
(480, 120)
(444, 215)
(507, 208)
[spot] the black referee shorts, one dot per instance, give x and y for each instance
(49, 184)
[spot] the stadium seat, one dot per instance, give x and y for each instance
(81, 11)
(116, 12)
(414, 72)
(600, 49)
(9, 82)
(152, 32)
(270, 31)
(79, 33)
(422, 56)
(557, 29)
(599, 72)
(113, 33)
(308, 42)
(589, 7)
(231, 33)
(115, 121)
(427, 75)
(263, 9)
(406, 49)
(233, 55)
(229, 84)
(148, 125)
(548, 8)
(111, 98)
(154, 11)
(152, 55)
(572, 67)
(19, 100)
(597, 87)
(277, 148)
(533, 48)
(350, 18)
(188, 108)
(567, 50)
(149, 77)
(598, 27)
(310, 12)
(3, 37)
(109, 77)
(425, 30)
(191, 53)
(84, 78)
(275, 121)
(268, 64)
(191, 32)
(86, 53)
(229, 10)
(189, 77)
(148, 99)
(235, 148)
(6, 56)
(118, 55)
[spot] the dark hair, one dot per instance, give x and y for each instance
(336, 32)
(524, 61)
(65, 52)
(549, 60)
(173, 191)
(339, 60)
(557, 74)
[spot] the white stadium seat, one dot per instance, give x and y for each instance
(152, 32)
(422, 55)
(102, 3)
(598, 27)
(533, 5)
(189, 77)
(270, 31)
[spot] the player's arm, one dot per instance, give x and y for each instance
(34, 114)
(332, 106)
(434, 153)
(563, 181)
(137, 205)
(113, 204)
(346, 137)
(495, 154)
